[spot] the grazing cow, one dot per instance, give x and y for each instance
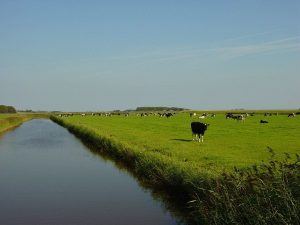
(228, 115)
(203, 116)
(240, 118)
(292, 115)
(193, 114)
(198, 129)
(263, 121)
(166, 114)
(169, 115)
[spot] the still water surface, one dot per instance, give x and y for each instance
(47, 176)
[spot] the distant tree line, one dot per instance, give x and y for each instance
(7, 109)
(159, 109)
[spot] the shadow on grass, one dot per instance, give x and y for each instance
(179, 139)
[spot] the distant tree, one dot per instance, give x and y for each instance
(7, 109)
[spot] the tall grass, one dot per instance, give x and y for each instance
(264, 194)
(9, 121)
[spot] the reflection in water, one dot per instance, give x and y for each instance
(48, 177)
(172, 202)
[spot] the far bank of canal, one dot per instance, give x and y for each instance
(49, 177)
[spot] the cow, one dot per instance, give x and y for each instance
(198, 129)
(263, 121)
(292, 115)
(240, 118)
(228, 115)
(166, 114)
(169, 114)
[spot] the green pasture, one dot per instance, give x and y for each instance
(227, 143)
(8, 121)
(3, 116)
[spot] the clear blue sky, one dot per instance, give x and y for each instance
(104, 55)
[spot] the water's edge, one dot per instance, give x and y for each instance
(13, 126)
(174, 193)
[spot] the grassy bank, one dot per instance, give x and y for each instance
(227, 143)
(9, 121)
(159, 151)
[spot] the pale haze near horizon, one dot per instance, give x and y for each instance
(106, 55)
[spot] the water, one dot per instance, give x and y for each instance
(47, 176)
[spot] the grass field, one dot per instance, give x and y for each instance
(8, 121)
(227, 143)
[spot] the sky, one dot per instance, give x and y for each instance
(106, 55)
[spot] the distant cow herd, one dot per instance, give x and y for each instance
(109, 114)
(198, 128)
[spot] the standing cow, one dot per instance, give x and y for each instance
(292, 115)
(198, 130)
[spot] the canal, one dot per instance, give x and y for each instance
(47, 176)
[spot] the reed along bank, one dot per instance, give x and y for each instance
(10, 121)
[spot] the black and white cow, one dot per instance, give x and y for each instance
(292, 115)
(240, 118)
(198, 130)
(228, 115)
(263, 121)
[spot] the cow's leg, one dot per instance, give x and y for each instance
(196, 137)
(202, 137)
